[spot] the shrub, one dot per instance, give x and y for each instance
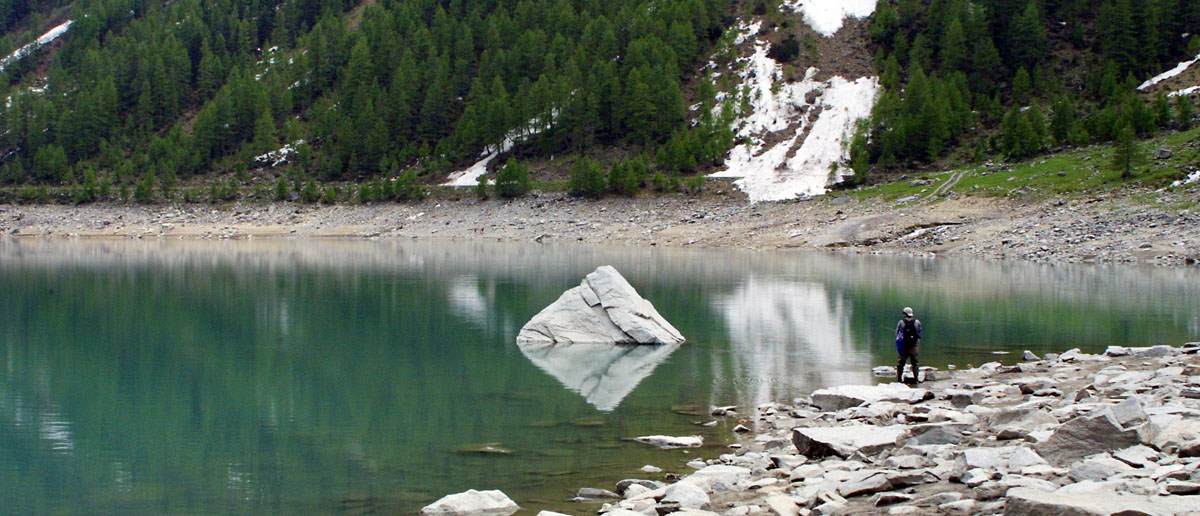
(512, 180)
(407, 188)
(587, 178)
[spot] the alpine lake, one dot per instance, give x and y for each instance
(374, 377)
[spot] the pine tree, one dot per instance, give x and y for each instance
(953, 51)
(1124, 150)
(1185, 112)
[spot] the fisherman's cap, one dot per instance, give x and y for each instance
(908, 311)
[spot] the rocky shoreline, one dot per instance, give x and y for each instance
(1112, 229)
(1073, 433)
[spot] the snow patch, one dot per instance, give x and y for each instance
(826, 16)
(470, 176)
(794, 167)
(1185, 91)
(42, 41)
(747, 31)
(1194, 177)
(279, 156)
(1179, 68)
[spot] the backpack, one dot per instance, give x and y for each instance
(908, 333)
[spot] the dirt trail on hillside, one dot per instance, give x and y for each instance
(1102, 230)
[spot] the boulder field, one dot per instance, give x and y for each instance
(1070, 433)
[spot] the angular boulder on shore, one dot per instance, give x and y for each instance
(493, 502)
(1086, 435)
(604, 308)
(844, 441)
(846, 396)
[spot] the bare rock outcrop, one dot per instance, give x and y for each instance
(604, 308)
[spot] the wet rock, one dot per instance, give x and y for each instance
(668, 442)
(845, 441)
(604, 308)
(624, 485)
(1029, 356)
(1084, 436)
(491, 502)
(591, 493)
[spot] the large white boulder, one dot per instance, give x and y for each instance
(604, 308)
(491, 502)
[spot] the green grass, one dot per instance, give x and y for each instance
(1077, 172)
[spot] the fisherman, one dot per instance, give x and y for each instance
(908, 341)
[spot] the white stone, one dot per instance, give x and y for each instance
(687, 495)
(783, 505)
(846, 396)
(1023, 501)
(651, 469)
(604, 308)
(472, 502)
(668, 442)
(844, 441)
(711, 476)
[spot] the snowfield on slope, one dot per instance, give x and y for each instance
(798, 165)
(826, 16)
(42, 41)
(1179, 68)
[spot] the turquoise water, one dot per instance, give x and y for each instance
(332, 377)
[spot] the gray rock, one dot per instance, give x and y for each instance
(1022, 458)
(1155, 351)
(1129, 412)
(976, 477)
(915, 477)
(1024, 501)
(491, 502)
(1181, 488)
(604, 308)
(846, 396)
(1140, 456)
(712, 477)
(844, 441)
(864, 483)
(905, 462)
(891, 498)
(959, 507)
(783, 505)
(623, 485)
(591, 493)
(1084, 436)
(936, 434)
(1097, 469)
(1030, 357)
(687, 495)
(939, 499)
(1180, 438)
(1010, 433)
(667, 442)
(1117, 351)
(1163, 154)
